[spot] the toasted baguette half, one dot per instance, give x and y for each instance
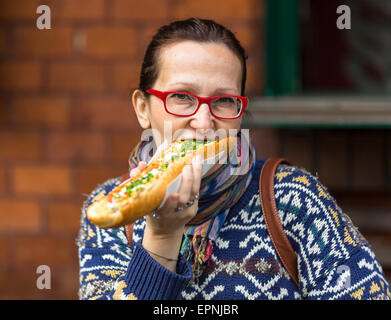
(143, 193)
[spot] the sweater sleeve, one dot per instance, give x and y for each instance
(334, 260)
(109, 269)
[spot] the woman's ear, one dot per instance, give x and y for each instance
(140, 105)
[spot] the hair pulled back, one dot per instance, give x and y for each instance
(200, 30)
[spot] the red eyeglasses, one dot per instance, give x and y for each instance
(183, 104)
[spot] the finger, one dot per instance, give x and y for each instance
(172, 202)
(134, 172)
(186, 185)
(169, 206)
(141, 166)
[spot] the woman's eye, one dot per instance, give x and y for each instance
(225, 100)
(180, 96)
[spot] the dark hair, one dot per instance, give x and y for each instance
(196, 29)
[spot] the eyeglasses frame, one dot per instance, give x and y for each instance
(162, 95)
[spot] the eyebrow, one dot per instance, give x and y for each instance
(195, 87)
(184, 84)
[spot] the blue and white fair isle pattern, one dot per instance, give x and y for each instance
(334, 260)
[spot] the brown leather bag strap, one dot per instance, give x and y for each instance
(273, 223)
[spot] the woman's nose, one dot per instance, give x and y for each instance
(203, 119)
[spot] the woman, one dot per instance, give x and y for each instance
(209, 240)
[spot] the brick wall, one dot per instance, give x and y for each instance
(66, 122)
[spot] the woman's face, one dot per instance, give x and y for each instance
(202, 69)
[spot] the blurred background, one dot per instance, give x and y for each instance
(319, 96)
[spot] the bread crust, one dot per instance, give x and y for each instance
(106, 212)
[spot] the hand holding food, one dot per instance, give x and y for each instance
(144, 192)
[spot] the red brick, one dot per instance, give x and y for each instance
(19, 145)
(37, 250)
(76, 76)
(248, 34)
(3, 41)
(78, 10)
(123, 144)
(255, 79)
(41, 180)
(127, 76)
(3, 181)
(66, 280)
(76, 146)
(16, 75)
(106, 112)
(34, 42)
(110, 41)
(64, 217)
(47, 112)
(19, 216)
(147, 32)
(18, 10)
(145, 10)
(228, 10)
(20, 283)
(4, 251)
(4, 118)
(90, 177)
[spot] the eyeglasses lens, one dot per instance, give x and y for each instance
(226, 107)
(184, 104)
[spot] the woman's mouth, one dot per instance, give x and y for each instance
(209, 139)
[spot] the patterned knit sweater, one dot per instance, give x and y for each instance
(334, 260)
